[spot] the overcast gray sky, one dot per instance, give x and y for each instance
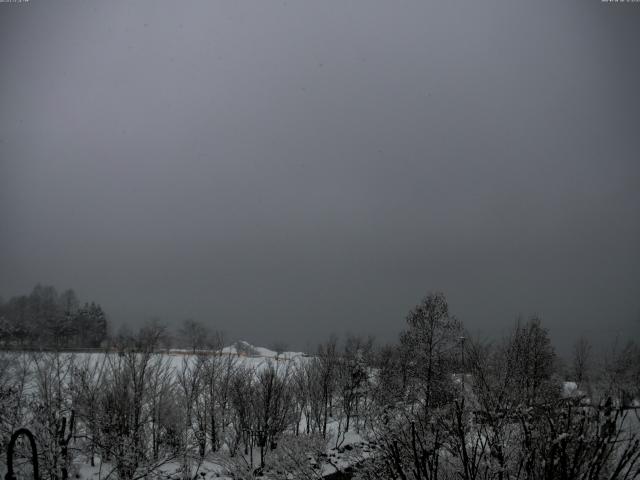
(283, 170)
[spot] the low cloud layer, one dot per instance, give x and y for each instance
(282, 170)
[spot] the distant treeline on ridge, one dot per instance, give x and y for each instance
(48, 319)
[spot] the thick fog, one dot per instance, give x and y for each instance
(283, 170)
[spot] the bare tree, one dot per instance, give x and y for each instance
(622, 373)
(411, 432)
(151, 336)
(352, 375)
(126, 411)
(432, 336)
(328, 363)
(218, 375)
(15, 377)
(581, 360)
(52, 376)
(86, 387)
(194, 334)
(163, 407)
(241, 388)
(190, 386)
(273, 401)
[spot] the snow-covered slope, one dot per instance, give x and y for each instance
(244, 348)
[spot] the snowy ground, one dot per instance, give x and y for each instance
(353, 448)
(340, 452)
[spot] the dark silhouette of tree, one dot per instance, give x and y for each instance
(46, 319)
(194, 335)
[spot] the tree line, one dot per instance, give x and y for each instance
(436, 404)
(48, 319)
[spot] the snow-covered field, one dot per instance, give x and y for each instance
(337, 452)
(342, 448)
